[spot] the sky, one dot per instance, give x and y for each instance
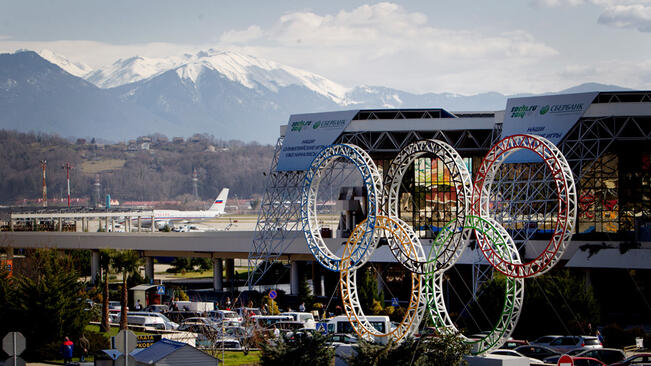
(462, 46)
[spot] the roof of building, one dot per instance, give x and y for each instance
(158, 351)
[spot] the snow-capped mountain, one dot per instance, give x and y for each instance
(229, 95)
(78, 69)
(248, 71)
(125, 71)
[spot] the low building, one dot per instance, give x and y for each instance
(170, 353)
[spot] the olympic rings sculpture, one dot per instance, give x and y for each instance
(427, 269)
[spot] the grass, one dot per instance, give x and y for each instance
(199, 274)
(113, 332)
(93, 167)
(236, 358)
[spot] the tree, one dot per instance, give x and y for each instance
(305, 293)
(443, 350)
(127, 262)
(367, 289)
(105, 261)
(302, 349)
(45, 301)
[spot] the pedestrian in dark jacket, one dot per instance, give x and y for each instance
(66, 350)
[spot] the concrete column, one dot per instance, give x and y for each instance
(217, 274)
(230, 273)
(94, 266)
(10, 253)
(153, 223)
(149, 267)
(127, 224)
(317, 289)
(139, 223)
(60, 225)
(112, 224)
(293, 277)
(106, 226)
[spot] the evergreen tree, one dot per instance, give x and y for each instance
(303, 349)
(45, 301)
(443, 350)
(367, 289)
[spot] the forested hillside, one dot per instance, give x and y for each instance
(151, 168)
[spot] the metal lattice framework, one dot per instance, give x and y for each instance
(398, 230)
(565, 189)
(372, 182)
(460, 179)
(489, 230)
(279, 218)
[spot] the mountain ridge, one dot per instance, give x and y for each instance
(223, 93)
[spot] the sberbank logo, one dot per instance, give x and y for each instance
(316, 125)
(544, 109)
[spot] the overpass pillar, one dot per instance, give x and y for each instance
(217, 274)
(139, 223)
(230, 273)
(60, 224)
(293, 277)
(153, 223)
(149, 267)
(317, 288)
(10, 253)
(106, 226)
(94, 266)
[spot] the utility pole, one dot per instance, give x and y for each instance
(67, 167)
(43, 166)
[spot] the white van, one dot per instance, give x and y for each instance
(146, 321)
(306, 318)
(267, 321)
(341, 324)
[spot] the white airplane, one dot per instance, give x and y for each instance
(167, 217)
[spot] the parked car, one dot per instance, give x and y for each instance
(605, 355)
(157, 308)
(179, 316)
(545, 340)
(641, 359)
(224, 316)
(587, 361)
(554, 359)
(169, 325)
(231, 344)
(341, 338)
(512, 353)
(537, 352)
(567, 343)
(513, 343)
(115, 305)
(201, 320)
(146, 321)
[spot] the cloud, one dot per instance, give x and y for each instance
(635, 16)
(385, 44)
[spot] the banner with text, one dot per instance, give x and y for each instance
(549, 116)
(307, 134)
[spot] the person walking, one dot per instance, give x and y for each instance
(301, 307)
(66, 350)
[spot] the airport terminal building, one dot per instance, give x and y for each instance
(604, 136)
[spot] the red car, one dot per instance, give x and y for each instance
(640, 359)
(587, 361)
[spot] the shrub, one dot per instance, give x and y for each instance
(308, 349)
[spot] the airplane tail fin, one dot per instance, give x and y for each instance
(219, 204)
